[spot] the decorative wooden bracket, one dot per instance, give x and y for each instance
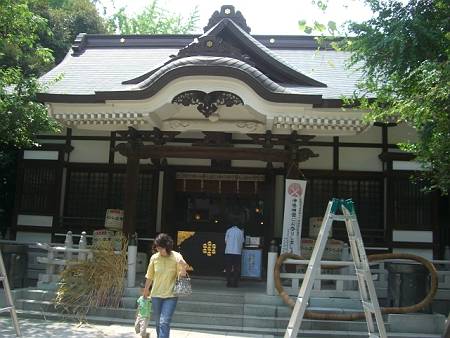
(207, 103)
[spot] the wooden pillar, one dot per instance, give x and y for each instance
(130, 194)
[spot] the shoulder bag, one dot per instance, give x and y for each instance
(182, 286)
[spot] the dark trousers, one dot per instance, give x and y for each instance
(233, 269)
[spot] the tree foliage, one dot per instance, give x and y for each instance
(21, 58)
(152, 20)
(65, 20)
(19, 31)
(403, 51)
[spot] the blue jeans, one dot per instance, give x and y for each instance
(163, 309)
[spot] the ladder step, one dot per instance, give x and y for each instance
(361, 271)
(368, 306)
(6, 309)
(338, 217)
(2, 278)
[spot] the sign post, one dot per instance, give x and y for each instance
(293, 216)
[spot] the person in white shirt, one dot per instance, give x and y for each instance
(234, 239)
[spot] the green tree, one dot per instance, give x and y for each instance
(152, 20)
(21, 58)
(403, 51)
(66, 19)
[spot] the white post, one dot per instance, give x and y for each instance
(271, 260)
(82, 244)
(68, 243)
(50, 267)
(132, 257)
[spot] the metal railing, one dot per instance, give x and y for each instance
(59, 256)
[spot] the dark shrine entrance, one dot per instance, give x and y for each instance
(196, 203)
(202, 204)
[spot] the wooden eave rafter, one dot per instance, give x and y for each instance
(217, 153)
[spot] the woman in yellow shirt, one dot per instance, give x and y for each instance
(161, 275)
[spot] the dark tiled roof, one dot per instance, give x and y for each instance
(104, 63)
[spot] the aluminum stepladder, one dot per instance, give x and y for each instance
(9, 301)
(369, 298)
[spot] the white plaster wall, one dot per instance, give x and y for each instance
(412, 236)
(35, 220)
(322, 139)
(425, 253)
(87, 132)
(324, 161)
(90, 151)
(40, 155)
(359, 159)
(401, 133)
(48, 141)
(407, 165)
(189, 161)
(32, 237)
(371, 135)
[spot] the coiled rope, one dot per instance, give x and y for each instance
(360, 315)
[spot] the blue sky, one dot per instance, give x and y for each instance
(263, 17)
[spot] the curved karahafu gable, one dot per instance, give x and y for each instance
(212, 66)
(228, 39)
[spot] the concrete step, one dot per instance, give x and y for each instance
(207, 318)
(271, 324)
(243, 310)
(186, 305)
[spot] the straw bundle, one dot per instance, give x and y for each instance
(94, 283)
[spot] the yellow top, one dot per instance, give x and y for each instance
(163, 270)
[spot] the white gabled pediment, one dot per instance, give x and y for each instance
(255, 115)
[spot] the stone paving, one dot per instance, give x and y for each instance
(37, 328)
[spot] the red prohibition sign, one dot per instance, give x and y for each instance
(295, 190)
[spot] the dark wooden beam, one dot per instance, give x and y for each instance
(336, 153)
(131, 190)
(216, 153)
(389, 156)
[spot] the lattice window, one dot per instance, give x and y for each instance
(87, 195)
(318, 192)
(116, 190)
(368, 197)
(144, 200)
(412, 208)
(90, 191)
(367, 193)
(39, 190)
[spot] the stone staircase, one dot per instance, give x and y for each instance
(247, 309)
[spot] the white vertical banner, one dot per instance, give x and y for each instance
(293, 216)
